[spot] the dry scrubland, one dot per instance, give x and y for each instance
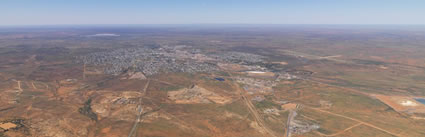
(316, 82)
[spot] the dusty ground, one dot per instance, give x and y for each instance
(261, 75)
(42, 85)
(7, 125)
(402, 103)
(289, 106)
(196, 94)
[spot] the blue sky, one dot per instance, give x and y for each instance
(45, 12)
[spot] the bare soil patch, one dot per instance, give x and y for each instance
(7, 125)
(196, 94)
(402, 103)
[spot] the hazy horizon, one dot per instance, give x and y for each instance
(106, 12)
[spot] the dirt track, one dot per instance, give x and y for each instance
(33, 86)
(19, 86)
(340, 132)
(360, 122)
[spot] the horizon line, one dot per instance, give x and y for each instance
(130, 24)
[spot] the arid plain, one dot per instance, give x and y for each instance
(174, 81)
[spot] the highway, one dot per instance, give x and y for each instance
(133, 131)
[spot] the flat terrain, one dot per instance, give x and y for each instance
(205, 81)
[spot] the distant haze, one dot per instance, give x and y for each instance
(70, 12)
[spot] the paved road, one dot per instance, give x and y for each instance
(252, 108)
(133, 131)
(288, 123)
(139, 112)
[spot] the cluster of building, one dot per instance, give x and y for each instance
(253, 85)
(286, 76)
(154, 60)
(239, 57)
(298, 127)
